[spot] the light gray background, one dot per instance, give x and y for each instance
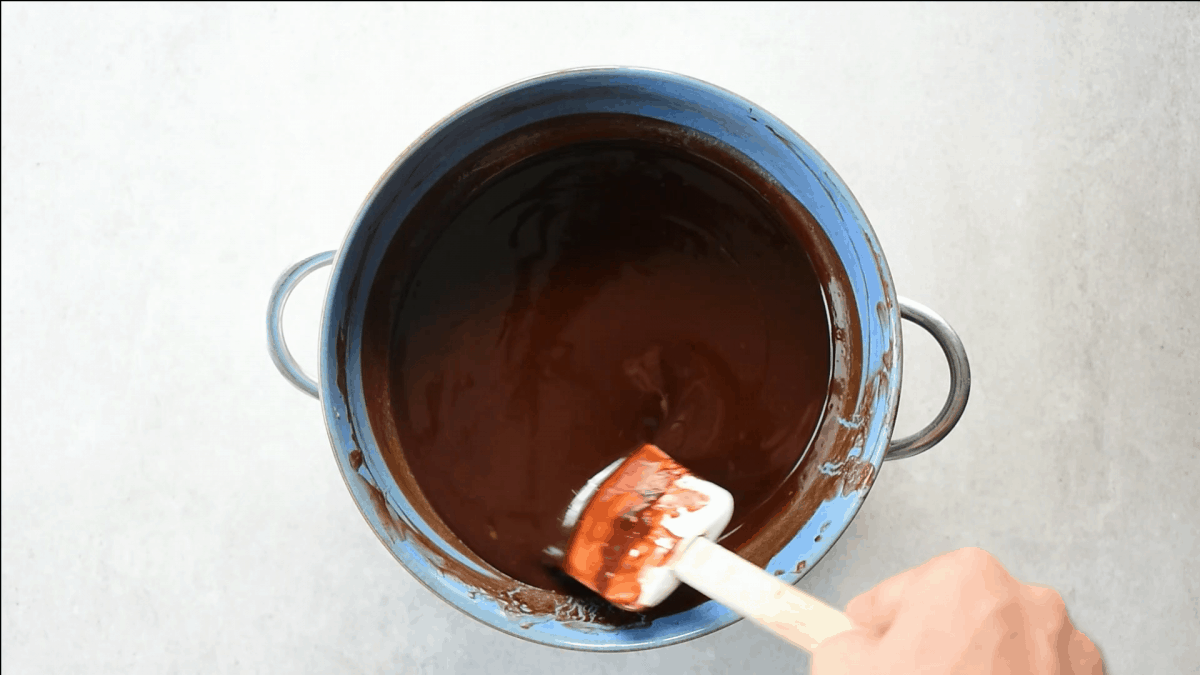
(170, 504)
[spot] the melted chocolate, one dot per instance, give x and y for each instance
(582, 302)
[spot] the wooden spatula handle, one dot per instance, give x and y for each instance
(745, 588)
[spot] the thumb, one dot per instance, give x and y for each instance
(849, 653)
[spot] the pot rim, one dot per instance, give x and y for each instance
(379, 499)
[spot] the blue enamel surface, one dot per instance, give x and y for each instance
(699, 106)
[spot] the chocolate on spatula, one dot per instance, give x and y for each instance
(645, 524)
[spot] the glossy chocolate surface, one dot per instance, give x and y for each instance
(584, 300)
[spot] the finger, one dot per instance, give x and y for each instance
(1047, 611)
(876, 609)
(1039, 593)
(1080, 653)
(1044, 595)
(1084, 656)
(1046, 618)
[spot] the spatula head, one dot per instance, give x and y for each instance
(630, 521)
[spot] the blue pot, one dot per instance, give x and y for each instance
(831, 482)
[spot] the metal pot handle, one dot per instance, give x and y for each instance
(960, 382)
(280, 354)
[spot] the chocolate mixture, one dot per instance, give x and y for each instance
(586, 301)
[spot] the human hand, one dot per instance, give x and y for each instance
(956, 614)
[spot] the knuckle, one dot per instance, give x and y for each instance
(976, 565)
(976, 556)
(1057, 610)
(1085, 659)
(860, 608)
(1053, 610)
(1053, 599)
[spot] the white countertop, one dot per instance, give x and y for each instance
(170, 503)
